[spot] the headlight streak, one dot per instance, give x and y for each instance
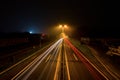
(67, 66)
(27, 71)
(48, 58)
(71, 60)
(52, 57)
(57, 51)
(57, 66)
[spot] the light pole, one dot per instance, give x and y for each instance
(63, 27)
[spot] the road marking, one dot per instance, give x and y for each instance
(67, 66)
(104, 65)
(57, 66)
(23, 60)
(69, 43)
(75, 57)
(48, 58)
(93, 65)
(39, 59)
(19, 62)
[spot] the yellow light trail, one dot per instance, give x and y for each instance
(57, 66)
(47, 58)
(66, 61)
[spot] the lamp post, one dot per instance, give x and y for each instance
(63, 27)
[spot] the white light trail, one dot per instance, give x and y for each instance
(28, 70)
(52, 57)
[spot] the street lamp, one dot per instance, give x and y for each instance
(65, 26)
(62, 27)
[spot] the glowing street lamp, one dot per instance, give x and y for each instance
(65, 26)
(62, 27)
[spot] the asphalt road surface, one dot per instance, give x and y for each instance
(61, 61)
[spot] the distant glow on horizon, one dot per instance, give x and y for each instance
(32, 29)
(30, 32)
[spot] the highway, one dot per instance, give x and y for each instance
(40, 65)
(58, 62)
(61, 61)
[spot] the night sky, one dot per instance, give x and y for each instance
(86, 16)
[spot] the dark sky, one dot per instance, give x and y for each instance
(86, 16)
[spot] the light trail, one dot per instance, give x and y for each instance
(48, 58)
(87, 63)
(66, 61)
(115, 75)
(57, 67)
(21, 61)
(28, 70)
(55, 52)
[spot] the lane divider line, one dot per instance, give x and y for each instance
(68, 42)
(105, 66)
(48, 58)
(39, 58)
(57, 67)
(18, 63)
(21, 61)
(66, 60)
(75, 57)
(49, 72)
